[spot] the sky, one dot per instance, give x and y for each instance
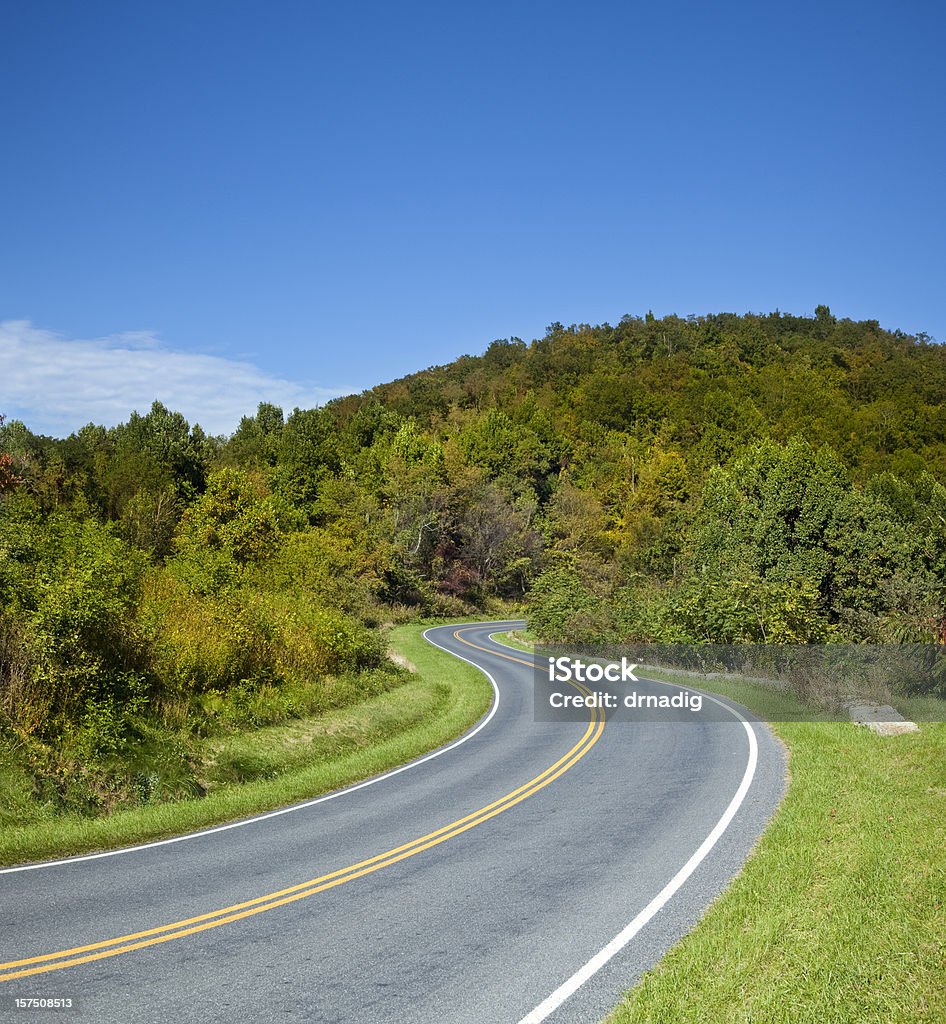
(219, 204)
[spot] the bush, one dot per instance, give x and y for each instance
(244, 638)
(69, 635)
(202, 642)
(563, 609)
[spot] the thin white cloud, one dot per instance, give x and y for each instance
(56, 384)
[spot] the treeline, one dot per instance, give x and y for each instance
(728, 478)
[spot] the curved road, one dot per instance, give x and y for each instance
(531, 871)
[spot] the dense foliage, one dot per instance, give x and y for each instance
(757, 478)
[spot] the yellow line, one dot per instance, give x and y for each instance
(335, 874)
(238, 911)
(490, 650)
(452, 827)
(128, 947)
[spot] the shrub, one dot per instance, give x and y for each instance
(206, 643)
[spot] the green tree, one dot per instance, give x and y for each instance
(308, 453)
(235, 523)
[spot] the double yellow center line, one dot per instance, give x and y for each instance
(238, 911)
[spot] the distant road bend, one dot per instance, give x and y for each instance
(528, 872)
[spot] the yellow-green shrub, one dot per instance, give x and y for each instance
(242, 637)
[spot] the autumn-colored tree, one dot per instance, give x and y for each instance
(8, 476)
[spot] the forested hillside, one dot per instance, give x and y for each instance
(757, 478)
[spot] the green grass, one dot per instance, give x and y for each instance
(520, 639)
(840, 913)
(839, 916)
(288, 763)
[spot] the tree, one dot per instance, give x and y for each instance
(789, 517)
(308, 453)
(164, 439)
(255, 443)
(149, 520)
(563, 609)
(497, 542)
(235, 523)
(8, 476)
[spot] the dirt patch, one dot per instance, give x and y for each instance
(399, 659)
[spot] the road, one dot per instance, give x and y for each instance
(531, 871)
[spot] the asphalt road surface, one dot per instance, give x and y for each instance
(531, 871)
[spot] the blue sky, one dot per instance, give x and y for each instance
(218, 203)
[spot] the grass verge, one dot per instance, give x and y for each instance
(839, 915)
(290, 762)
(520, 639)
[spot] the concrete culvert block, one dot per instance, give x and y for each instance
(879, 718)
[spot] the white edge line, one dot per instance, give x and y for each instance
(295, 807)
(569, 987)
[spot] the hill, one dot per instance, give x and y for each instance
(766, 478)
